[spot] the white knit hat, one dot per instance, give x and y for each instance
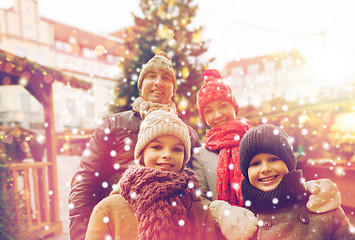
(159, 123)
(160, 61)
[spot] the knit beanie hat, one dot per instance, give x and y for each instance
(161, 61)
(159, 123)
(212, 89)
(265, 138)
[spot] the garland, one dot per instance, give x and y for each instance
(23, 67)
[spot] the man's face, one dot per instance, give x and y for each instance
(157, 86)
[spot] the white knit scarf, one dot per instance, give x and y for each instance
(144, 107)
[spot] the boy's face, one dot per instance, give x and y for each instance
(266, 171)
(218, 112)
(164, 153)
(157, 86)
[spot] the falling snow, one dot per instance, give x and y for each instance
(209, 194)
(181, 222)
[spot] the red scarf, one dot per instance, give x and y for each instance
(226, 139)
(161, 200)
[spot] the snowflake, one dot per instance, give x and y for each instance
(235, 186)
(231, 166)
(71, 206)
(181, 222)
(276, 132)
(236, 137)
(104, 184)
(247, 203)
(226, 212)
(105, 219)
(107, 131)
(198, 192)
(275, 201)
(128, 141)
(209, 194)
(116, 166)
(352, 229)
(133, 195)
(113, 153)
(191, 185)
(108, 237)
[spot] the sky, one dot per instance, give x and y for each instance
(322, 30)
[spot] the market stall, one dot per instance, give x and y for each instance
(39, 179)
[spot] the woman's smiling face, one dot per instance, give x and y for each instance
(266, 171)
(218, 112)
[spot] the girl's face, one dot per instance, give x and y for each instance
(218, 112)
(164, 153)
(266, 171)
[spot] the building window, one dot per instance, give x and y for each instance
(270, 66)
(71, 106)
(21, 52)
(59, 45)
(29, 33)
(237, 71)
(253, 68)
(90, 110)
(40, 57)
(25, 102)
(89, 53)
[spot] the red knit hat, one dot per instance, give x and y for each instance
(212, 89)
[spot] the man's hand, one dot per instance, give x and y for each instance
(234, 222)
(325, 195)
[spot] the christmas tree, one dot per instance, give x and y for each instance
(166, 25)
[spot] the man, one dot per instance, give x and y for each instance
(111, 147)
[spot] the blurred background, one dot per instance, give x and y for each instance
(66, 64)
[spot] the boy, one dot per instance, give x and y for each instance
(273, 189)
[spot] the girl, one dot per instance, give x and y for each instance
(156, 198)
(273, 189)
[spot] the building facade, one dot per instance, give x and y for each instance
(88, 56)
(261, 79)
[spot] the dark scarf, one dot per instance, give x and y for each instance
(290, 191)
(226, 139)
(161, 200)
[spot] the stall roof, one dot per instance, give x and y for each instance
(34, 77)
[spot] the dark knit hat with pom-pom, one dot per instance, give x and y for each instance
(214, 89)
(265, 138)
(161, 61)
